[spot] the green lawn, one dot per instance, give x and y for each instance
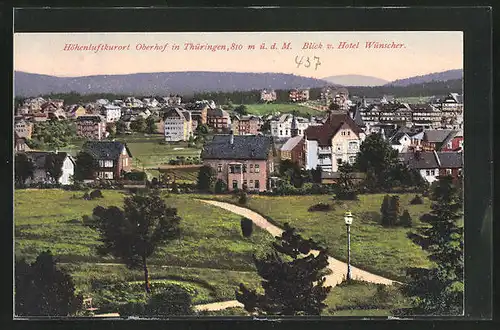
(270, 108)
(211, 256)
(384, 251)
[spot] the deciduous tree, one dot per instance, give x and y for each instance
(134, 233)
(206, 178)
(23, 168)
(41, 289)
(85, 166)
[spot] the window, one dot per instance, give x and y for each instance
(251, 168)
(244, 168)
(338, 147)
(352, 159)
(219, 168)
(235, 184)
(448, 171)
(348, 132)
(257, 168)
(231, 169)
(339, 161)
(286, 132)
(353, 145)
(257, 184)
(245, 184)
(125, 162)
(432, 172)
(281, 132)
(427, 172)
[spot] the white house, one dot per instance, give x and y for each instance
(400, 141)
(336, 141)
(112, 113)
(178, 124)
(61, 159)
(281, 127)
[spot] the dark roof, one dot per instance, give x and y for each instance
(450, 159)
(39, 157)
(291, 143)
(243, 147)
(437, 135)
(419, 160)
(173, 112)
(105, 149)
(217, 113)
(396, 137)
(324, 133)
(95, 118)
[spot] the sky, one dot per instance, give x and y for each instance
(422, 52)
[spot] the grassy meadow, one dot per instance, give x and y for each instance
(383, 251)
(211, 256)
(270, 108)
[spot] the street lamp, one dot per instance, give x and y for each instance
(348, 222)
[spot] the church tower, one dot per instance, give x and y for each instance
(294, 129)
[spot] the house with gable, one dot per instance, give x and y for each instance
(241, 161)
(111, 113)
(177, 123)
(400, 141)
(432, 164)
(114, 158)
(91, 127)
(336, 141)
(435, 139)
(454, 142)
(61, 159)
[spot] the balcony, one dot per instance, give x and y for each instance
(325, 162)
(324, 150)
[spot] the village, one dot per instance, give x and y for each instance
(233, 177)
(427, 136)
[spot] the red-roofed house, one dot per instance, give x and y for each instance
(332, 143)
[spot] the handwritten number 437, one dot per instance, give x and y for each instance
(306, 61)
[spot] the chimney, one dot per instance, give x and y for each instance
(231, 137)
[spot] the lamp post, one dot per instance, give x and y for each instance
(348, 222)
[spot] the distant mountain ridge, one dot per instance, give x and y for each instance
(436, 76)
(32, 84)
(356, 80)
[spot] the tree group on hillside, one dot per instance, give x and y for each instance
(439, 290)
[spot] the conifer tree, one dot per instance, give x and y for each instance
(292, 278)
(439, 290)
(405, 219)
(384, 210)
(394, 211)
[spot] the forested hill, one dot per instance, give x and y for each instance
(428, 78)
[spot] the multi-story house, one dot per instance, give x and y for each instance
(454, 142)
(150, 102)
(178, 124)
(76, 111)
(241, 161)
(452, 108)
(336, 141)
(23, 128)
(91, 127)
(281, 127)
(432, 164)
(395, 113)
(293, 150)
(298, 95)
(20, 144)
(113, 158)
(198, 112)
(245, 125)
(172, 100)
(426, 116)
(370, 113)
(61, 159)
(267, 95)
(219, 120)
(111, 113)
(435, 139)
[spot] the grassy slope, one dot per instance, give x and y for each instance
(384, 251)
(266, 109)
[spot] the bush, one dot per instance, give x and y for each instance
(243, 199)
(246, 227)
(346, 195)
(86, 196)
(417, 200)
(175, 188)
(320, 207)
(405, 220)
(96, 194)
(220, 187)
(135, 176)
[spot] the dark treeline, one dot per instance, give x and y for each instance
(253, 96)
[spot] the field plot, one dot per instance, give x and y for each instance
(270, 108)
(211, 248)
(383, 251)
